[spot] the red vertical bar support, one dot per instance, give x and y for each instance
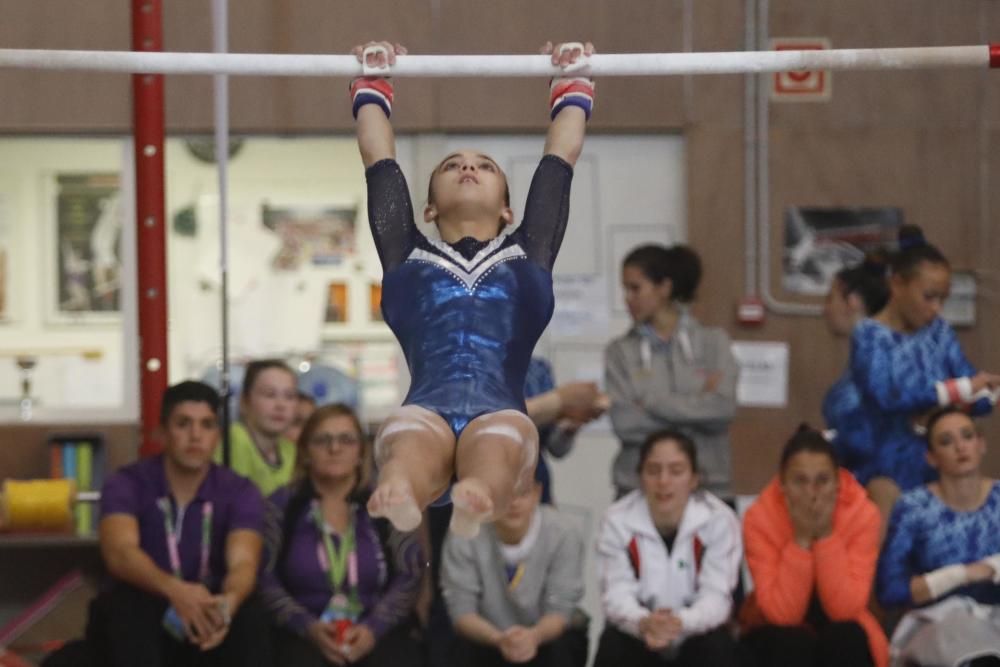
(148, 132)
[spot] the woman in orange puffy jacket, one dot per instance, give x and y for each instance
(811, 542)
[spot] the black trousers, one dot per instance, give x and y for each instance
(399, 647)
(842, 644)
(124, 629)
(716, 648)
(568, 650)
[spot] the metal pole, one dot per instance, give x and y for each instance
(220, 44)
(149, 130)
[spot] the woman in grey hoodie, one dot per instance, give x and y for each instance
(669, 371)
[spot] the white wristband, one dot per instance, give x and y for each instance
(945, 579)
(964, 388)
(994, 562)
(942, 394)
(954, 391)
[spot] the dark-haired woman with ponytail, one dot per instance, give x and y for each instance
(811, 541)
(857, 292)
(340, 585)
(906, 361)
(669, 371)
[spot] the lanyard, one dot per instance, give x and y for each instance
(341, 562)
(514, 576)
(173, 530)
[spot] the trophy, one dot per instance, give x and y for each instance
(27, 364)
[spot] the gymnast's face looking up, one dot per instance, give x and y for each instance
(468, 187)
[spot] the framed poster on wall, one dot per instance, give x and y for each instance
(820, 241)
(86, 247)
(322, 235)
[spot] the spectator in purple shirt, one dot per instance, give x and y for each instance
(341, 586)
(181, 539)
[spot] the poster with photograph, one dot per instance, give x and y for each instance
(336, 303)
(375, 302)
(313, 235)
(88, 244)
(819, 242)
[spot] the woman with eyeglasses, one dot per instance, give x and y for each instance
(811, 541)
(341, 586)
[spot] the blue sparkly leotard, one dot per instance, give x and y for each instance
(468, 315)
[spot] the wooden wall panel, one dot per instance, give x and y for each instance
(894, 99)
(717, 25)
(32, 101)
(521, 26)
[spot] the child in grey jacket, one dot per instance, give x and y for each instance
(511, 590)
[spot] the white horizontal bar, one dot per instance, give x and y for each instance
(619, 64)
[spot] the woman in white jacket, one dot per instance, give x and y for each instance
(668, 560)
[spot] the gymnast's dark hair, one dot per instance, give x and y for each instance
(940, 413)
(867, 280)
(679, 264)
(807, 439)
(188, 391)
(913, 251)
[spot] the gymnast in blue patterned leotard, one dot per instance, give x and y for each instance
(857, 292)
(905, 362)
(944, 538)
(467, 309)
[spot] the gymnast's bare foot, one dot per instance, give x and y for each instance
(472, 506)
(393, 499)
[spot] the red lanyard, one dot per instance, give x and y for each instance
(173, 530)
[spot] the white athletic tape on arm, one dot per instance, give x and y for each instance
(945, 579)
(994, 562)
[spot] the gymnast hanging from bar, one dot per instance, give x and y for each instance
(468, 308)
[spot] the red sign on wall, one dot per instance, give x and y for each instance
(799, 86)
